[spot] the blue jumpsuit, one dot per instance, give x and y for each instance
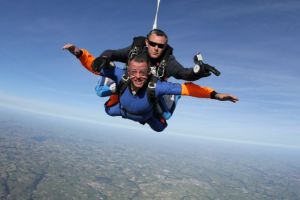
(137, 107)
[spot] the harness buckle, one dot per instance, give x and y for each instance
(133, 52)
(125, 77)
(161, 69)
(151, 85)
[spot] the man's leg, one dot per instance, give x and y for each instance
(156, 124)
(113, 110)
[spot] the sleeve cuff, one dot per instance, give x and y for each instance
(213, 94)
(79, 54)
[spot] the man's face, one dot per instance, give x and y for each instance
(156, 45)
(138, 73)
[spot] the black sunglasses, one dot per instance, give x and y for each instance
(153, 44)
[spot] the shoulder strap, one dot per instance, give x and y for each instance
(137, 46)
(123, 84)
(164, 62)
(152, 98)
(151, 88)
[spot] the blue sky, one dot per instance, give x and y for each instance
(255, 44)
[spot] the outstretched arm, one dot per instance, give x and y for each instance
(175, 69)
(191, 89)
(83, 55)
(120, 55)
(87, 59)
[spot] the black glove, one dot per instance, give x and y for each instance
(204, 69)
(208, 68)
(201, 70)
(100, 62)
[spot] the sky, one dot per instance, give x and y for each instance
(255, 45)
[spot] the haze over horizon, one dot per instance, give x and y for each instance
(50, 157)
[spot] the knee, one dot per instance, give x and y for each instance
(103, 91)
(159, 128)
(108, 111)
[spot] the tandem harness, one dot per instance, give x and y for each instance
(163, 106)
(125, 82)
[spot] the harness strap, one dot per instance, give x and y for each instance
(152, 98)
(137, 46)
(123, 84)
(160, 70)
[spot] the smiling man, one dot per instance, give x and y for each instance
(138, 73)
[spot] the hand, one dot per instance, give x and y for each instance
(208, 68)
(203, 69)
(226, 97)
(100, 62)
(72, 49)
